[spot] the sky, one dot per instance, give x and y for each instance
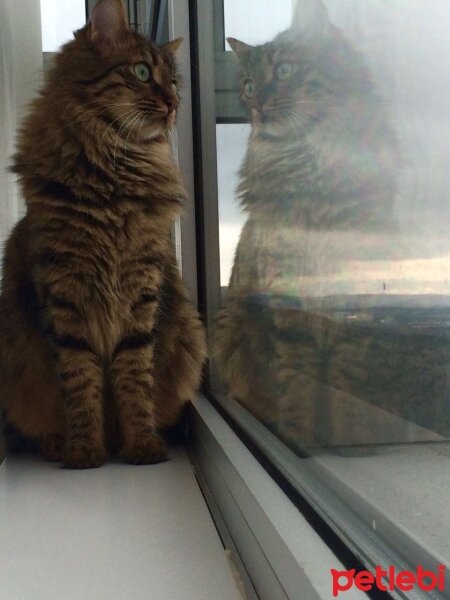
(405, 43)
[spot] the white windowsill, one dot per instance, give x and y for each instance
(108, 534)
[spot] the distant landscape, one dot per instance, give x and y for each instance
(407, 314)
(402, 352)
(382, 300)
(390, 350)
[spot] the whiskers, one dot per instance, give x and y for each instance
(311, 119)
(124, 127)
(115, 141)
(173, 141)
(125, 116)
(92, 112)
(134, 121)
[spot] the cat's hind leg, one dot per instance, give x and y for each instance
(30, 393)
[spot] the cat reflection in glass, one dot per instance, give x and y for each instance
(317, 185)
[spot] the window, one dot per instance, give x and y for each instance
(20, 78)
(319, 242)
(327, 294)
(59, 20)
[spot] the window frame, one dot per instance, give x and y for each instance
(280, 554)
(343, 519)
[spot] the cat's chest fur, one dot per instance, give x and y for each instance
(136, 253)
(108, 259)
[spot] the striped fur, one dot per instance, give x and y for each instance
(99, 346)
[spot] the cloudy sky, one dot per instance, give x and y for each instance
(406, 45)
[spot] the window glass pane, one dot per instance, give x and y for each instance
(59, 21)
(254, 21)
(231, 145)
(333, 152)
(343, 199)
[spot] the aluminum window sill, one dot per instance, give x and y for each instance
(283, 556)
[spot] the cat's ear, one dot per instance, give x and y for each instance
(172, 46)
(311, 21)
(108, 22)
(240, 48)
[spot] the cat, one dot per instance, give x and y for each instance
(100, 349)
(320, 169)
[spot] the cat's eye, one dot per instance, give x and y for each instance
(249, 88)
(142, 71)
(283, 71)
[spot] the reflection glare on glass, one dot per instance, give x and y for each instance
(335, 327)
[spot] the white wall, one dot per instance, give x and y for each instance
(20, 77)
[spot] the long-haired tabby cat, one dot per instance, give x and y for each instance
(320, 170)
(100, 349)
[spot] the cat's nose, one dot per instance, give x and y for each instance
(171, 103)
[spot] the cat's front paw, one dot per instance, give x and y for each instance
(83, 456)
(146, 451)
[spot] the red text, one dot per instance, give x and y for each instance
(388, 580)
